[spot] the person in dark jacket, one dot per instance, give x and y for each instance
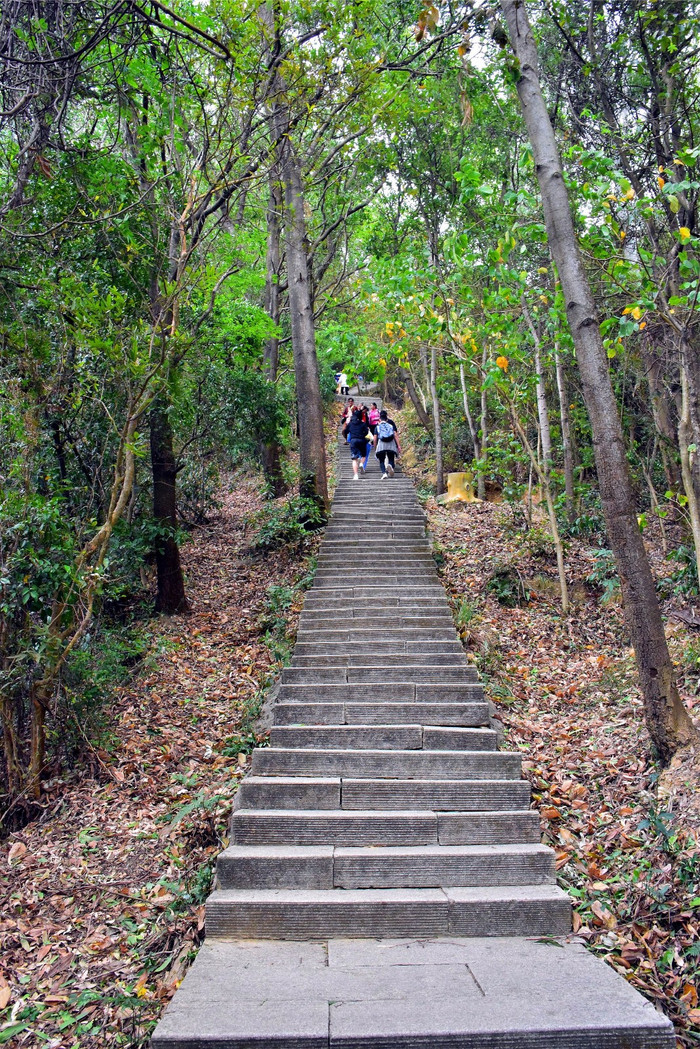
(357, 430)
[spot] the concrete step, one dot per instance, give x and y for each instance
(381, 659)
(290, 792)
(382, 827)
(382, 692)
(390, 647)
(350, 634)
(376, 764)
(313, 914)
(334, 792)
(359, 591)
(477, 993)
(461, 714)
(439, 795)
(433, 673)
(386, 867)
(382, 737)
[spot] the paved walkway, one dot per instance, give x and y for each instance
(385, 885)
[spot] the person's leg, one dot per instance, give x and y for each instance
(355, 467)
(390, 457)
(380, 456)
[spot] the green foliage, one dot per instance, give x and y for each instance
(507, 586)
(603, 575)
(287, 522)
(684, 579)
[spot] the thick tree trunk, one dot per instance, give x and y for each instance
(171, 583)
(415, 399)
(667, 720)
(567, 446)
(312, 450)
(437, 425)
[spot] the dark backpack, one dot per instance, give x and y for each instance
(385, 431)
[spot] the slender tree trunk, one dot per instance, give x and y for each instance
(437, 425)
(270, 451)
(415, 399)
(543, 477)
(312, 450)
(542, 415)
(484, 423)
(473, 431)
(689, 458)
(662, 413)
(171, 583)
(565, 419)
(667, 720)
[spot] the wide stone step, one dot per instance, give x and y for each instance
(375, 764)
(392, 647)
(312, 914)
(381, 659)
(447, 795)
(462, 714)
(347, 632)
(502, 993)
(382, 827)
(382, 692)
(386, 867)
(334, 792)
(327, 601)
(383, 737)
(339, 675)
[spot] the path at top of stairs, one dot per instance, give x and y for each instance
(385, 885)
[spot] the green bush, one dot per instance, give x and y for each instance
(288, 522)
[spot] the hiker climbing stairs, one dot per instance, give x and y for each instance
(385, 884)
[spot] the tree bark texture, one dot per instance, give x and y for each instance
(667, 720)
(565, 437)
(437, 425)
(171, 596)
(542, 414)
(270, 451)
(312, 450)
(415, 399)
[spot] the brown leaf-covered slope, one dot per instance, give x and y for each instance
(565, 690)
(101, 899)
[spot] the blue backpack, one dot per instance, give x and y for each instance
(385, 431)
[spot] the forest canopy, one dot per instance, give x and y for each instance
(208, 210)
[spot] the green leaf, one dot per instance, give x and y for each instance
(674, 204)
(11, 1031)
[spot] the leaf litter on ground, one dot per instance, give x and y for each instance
(102, 896)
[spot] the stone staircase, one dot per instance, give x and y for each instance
(385, 884)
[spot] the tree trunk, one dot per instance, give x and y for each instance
(662, 413)
(472, 428)
(312, 450)
(439, 469)
(565, 437)
(484, 422)
(171, 583)
(542, 415)
(415, 399)
(689, 455)
(270, 451)
(667, 720)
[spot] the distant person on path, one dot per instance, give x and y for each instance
(343, 387)
(373, 417)
(387, 444)
(357, 430)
